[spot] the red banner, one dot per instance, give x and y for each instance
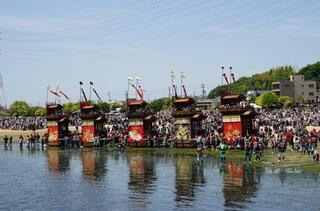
(136, 133)
(231, 130)
(53, 134)
(88, 133)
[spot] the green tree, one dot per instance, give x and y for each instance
(19, 108)
(267, 99)
(286, 101)
(69, 108)
(103, 106)
(261, 81)
(160, 104)
(311, 72)
(40, 112)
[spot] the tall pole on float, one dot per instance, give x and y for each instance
(91, 84)
(80, 82)
(172, 82)
(230, 86)
(181, 82)
(48, 87)
(129, 79)
(222, 70)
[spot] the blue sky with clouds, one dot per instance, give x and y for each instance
(62, 42)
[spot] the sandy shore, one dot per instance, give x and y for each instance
(16, 133)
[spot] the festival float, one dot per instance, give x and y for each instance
(187, 120)
(237, 117)
(140, 120)
(57, 122)
(92, 119)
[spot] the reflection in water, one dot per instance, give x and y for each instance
(149, 180)
(240, 183)
(189, 174)
(58, 160)
(142, 176)
(93, 164)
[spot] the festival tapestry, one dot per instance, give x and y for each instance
(53, 134)
(136, 133)
(183, 131)
(88, 133)
(231, 130)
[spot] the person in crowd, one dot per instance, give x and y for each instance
(20, 141)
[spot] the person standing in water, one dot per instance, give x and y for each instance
(21, 141)
(5, 139)
(222, 150)
(199, 144)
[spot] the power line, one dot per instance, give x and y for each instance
(238, 23)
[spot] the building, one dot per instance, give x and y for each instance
(204, 104)
(297, 88)
(255, 93)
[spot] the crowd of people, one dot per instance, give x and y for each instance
(23, 123)
(276, 128)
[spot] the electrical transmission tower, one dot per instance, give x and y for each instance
(203, 91)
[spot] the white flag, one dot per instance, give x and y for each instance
(130, 78)
(138, 78)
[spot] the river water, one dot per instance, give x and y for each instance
(91, 179)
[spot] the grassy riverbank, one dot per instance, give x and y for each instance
(293, 160)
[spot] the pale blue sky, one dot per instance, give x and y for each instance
(62, 42)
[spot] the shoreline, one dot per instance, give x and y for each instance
(16, 133)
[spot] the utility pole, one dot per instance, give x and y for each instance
(109, 96)
(169, 93)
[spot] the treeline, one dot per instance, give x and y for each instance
(22, 108)
(261, 81)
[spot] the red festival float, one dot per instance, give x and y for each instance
(237, 117)
(140, 120)
(92, 120)
(57, 122)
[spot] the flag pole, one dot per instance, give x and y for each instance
(48, 87)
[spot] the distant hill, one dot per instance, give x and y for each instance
(311, 72)
(260, 81)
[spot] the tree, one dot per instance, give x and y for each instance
(40, 112)
(69, 108)
(161, 104)
(267, 99)
(286, 101)
(311, 72)
(103, 106)
(261, 81)
(19, 108)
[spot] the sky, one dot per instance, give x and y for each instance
(59, 43)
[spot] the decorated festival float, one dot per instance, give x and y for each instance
(237, 117)
(140, 119)
(187, 120)
(57, 121)
(92, 119)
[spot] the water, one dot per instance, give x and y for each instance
(76, 179)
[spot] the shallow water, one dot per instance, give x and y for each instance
(92, 179)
